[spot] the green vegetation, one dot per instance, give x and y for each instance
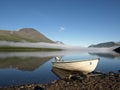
(23, 35)
(14, 38)
(6, 49)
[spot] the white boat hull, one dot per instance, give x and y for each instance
(85, 66)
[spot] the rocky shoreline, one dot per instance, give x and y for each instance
(94, 81)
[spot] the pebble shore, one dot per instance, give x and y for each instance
(100, 81)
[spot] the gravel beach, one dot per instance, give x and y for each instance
(100, 81)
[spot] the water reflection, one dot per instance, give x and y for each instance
(23, 63)
(35, 54)
(26, 61)
(35, 67)
(64, 74)
(107, 55)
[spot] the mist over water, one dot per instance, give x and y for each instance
(51, 45)
(34, 45)
(55, 53)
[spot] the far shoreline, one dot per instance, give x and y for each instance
(24, 49)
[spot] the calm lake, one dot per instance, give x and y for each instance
(18, 68)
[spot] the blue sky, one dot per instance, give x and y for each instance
(74, 22)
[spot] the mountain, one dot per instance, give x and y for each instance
(23, 35)
(106, 44)
(59, 42)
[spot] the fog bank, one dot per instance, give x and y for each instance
(55, 45)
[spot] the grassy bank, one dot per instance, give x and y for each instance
(7, 49)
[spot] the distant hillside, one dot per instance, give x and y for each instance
(106, 44)
(59, 42)
(23, 35)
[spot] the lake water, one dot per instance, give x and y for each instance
(18, 68)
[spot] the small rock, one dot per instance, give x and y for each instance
(53, 81)
(111, 73)
(38, 88)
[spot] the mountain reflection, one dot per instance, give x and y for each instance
(27, 61)
(24, 64)
(107, 55)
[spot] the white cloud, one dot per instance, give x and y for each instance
(61, 29)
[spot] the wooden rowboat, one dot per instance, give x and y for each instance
(84, 66)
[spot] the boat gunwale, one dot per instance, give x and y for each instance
(76, 61)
